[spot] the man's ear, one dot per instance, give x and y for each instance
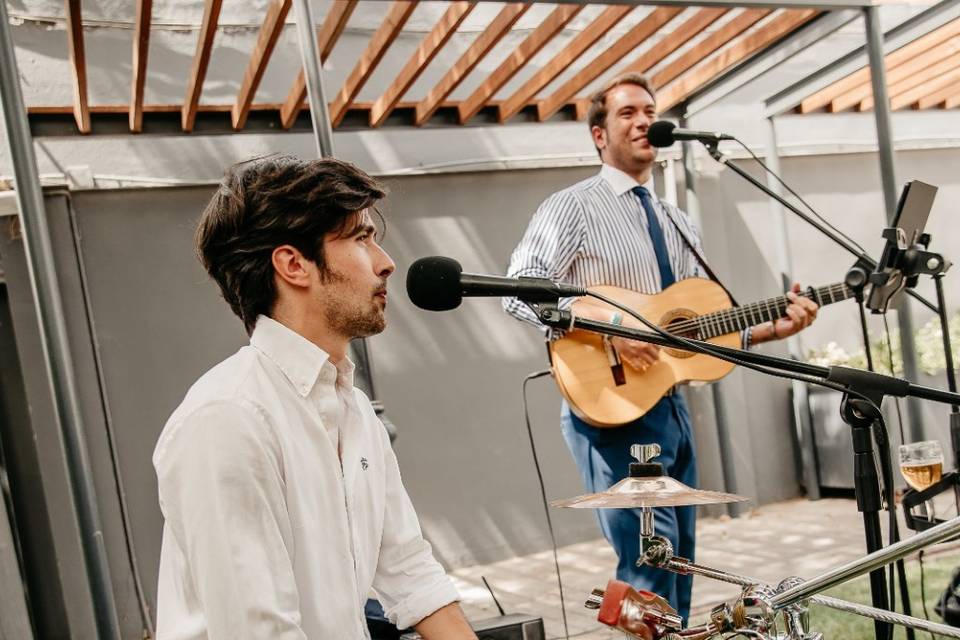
(599, 137)
(291, 266)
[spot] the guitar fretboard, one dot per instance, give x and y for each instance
(736, 319)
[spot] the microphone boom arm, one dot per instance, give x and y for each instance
(862, 258)
(874, 385)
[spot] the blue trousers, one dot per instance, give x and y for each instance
(603, 458)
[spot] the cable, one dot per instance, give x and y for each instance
(886, 331)
(543, 495)
(797, 196)
(493, 595)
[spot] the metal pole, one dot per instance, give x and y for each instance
(727, 467)
(323, 135)
(53, 337)
(801, 401)
(866, 564)
(888, 176)
(310, 54)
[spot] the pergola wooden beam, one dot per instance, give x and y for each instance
(830, 93)
(931, 85)
(327, 36)
(899, 73)
(953, 101)
(937, 97)
(713, 42)
(531, 45)
(495, 31)
(78, 65)
(429, 47)
(680, 36)
(629, 41)
(201, 60)
(583, 41)
(928, 73)
(388, 31)
(259, 59)
(141, 47)
(776, 28)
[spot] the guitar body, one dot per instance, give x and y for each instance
(582, 368)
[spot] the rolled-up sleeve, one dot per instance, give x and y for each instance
(222, 494)
(409, 581)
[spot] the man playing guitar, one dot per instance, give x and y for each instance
(611, 229)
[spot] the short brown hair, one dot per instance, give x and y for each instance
(597, 114)
(271, 201)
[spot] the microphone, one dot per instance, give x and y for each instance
(439, 284)
(663, 134)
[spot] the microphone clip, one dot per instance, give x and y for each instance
(553, 316)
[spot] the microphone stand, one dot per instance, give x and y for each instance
(869, 501)
(863, 394)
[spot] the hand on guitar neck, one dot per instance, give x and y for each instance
(801, 312)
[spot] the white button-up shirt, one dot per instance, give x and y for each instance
(269, 533)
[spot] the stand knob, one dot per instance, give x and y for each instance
(645, 452)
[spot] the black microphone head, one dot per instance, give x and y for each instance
(660, 133)
(434, 283)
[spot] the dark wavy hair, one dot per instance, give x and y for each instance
(271, 201)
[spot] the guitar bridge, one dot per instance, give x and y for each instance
(616, 365)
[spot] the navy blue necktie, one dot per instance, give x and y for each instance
(656, 236)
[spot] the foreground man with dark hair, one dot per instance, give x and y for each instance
(281, 495)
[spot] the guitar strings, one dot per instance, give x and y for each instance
(728, 317)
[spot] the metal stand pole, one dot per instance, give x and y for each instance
(310, 55)
(881, 111)
(727, 466)
(800, 396)
(53, 338)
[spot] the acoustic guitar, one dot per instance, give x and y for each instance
(605, 392)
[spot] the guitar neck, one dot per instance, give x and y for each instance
(737, 319)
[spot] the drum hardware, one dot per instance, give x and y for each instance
(761, 611)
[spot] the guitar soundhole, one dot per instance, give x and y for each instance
(682, 323)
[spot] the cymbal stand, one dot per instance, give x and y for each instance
(780, 612)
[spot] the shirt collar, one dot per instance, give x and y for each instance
(621, 183)
(300, 360)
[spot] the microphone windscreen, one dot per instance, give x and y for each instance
(660, 133)
(434, 283)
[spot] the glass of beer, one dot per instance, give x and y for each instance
(921, 464)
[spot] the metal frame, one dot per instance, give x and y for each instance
(909, 30)
(53, 336)
(771, 58)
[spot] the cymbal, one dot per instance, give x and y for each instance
(653, 491)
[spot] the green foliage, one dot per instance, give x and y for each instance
(928, 340)
(835, 625)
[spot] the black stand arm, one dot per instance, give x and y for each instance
(862, 258)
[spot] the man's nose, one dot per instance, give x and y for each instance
(385, 265)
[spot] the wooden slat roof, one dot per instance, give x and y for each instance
(501, 68)
(923, 74)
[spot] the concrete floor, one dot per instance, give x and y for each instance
(798, 537)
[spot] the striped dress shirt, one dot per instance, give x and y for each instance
(595, 233)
